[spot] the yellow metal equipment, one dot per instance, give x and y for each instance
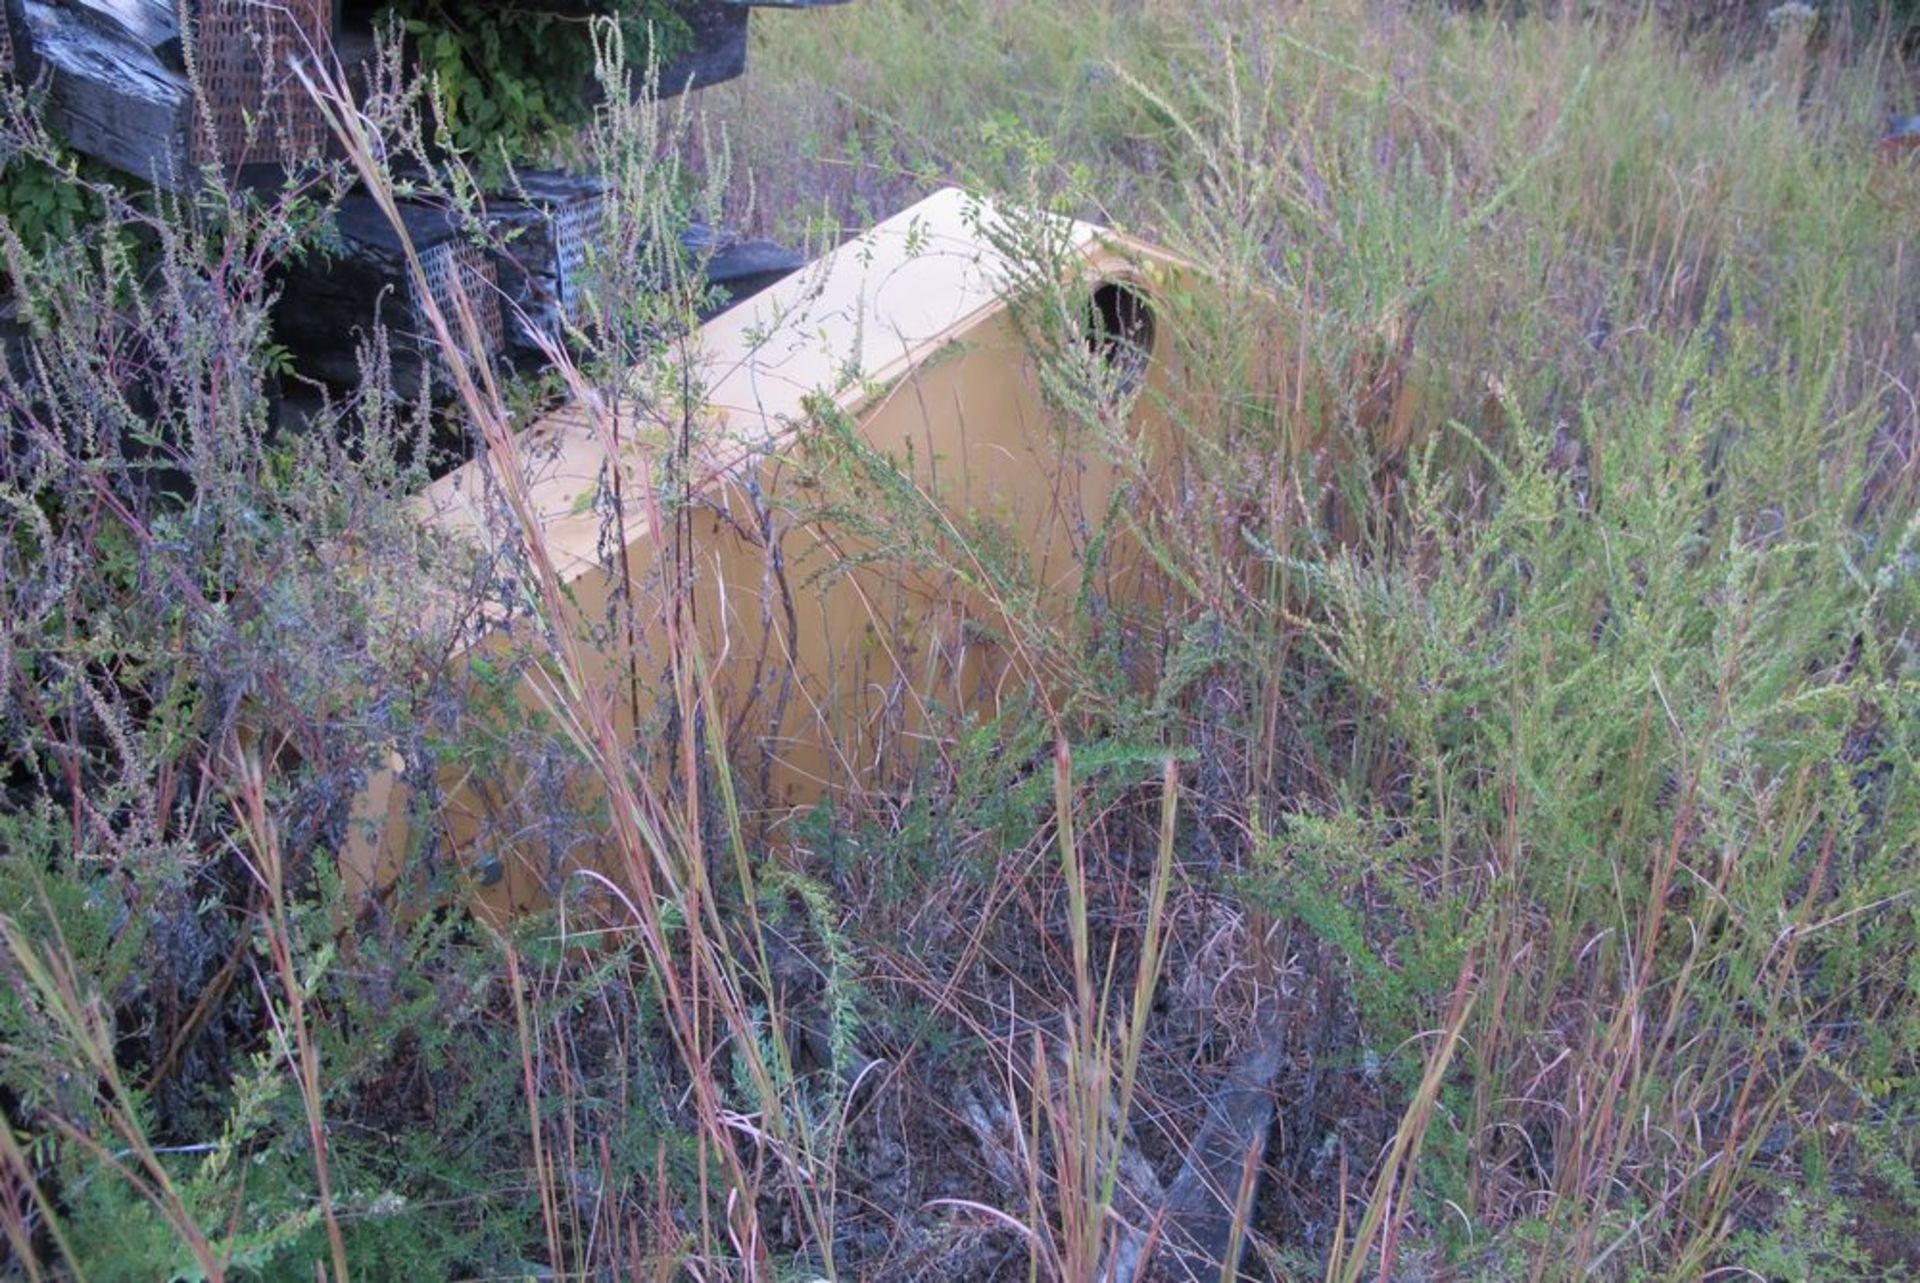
(827, 649)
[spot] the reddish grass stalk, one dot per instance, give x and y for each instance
(1386, 1207)
(658, 840)
(264, 837)
(536, 1132)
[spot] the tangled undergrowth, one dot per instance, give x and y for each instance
(1504, 836)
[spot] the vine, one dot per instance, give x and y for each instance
(511, 81)
(46, 201)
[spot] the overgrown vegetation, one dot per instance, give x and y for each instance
(1519, 780)
(511, 83)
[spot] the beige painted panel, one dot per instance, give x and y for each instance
(827, 659)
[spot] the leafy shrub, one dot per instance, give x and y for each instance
(44, 202)
(511, 83)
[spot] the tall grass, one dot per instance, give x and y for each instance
(1564, 597)
(1508, 782)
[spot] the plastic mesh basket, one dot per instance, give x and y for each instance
(576, 224)
(245, 49)
(544, 231)
(458, 268)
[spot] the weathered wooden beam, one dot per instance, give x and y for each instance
(740, 269)
(116, 90)
(719, 50)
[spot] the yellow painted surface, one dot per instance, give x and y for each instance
(826, 657)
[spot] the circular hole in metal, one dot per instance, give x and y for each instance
(1120, 332)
